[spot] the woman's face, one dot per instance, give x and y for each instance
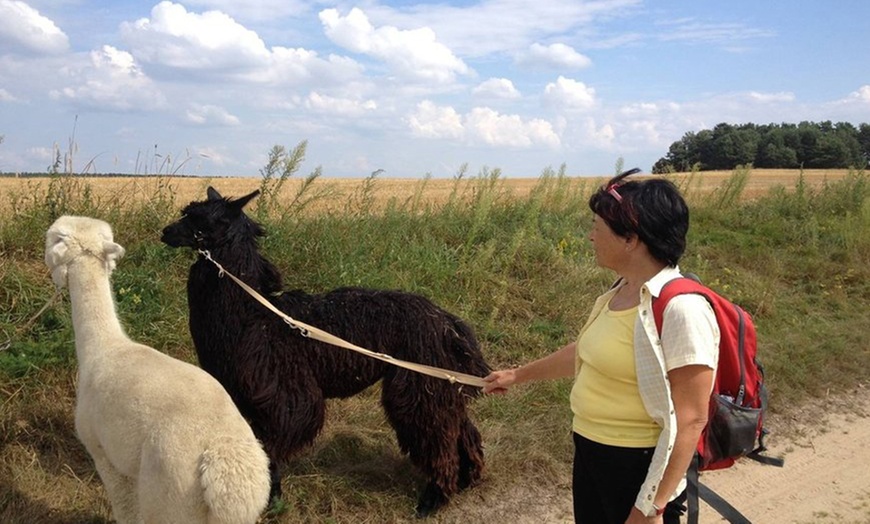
(608, 246)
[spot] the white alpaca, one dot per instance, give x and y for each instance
(167, 440)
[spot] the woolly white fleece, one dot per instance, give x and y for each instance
(167, 440)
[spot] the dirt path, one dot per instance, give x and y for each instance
(826, 478)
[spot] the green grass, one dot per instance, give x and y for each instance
(520, 270)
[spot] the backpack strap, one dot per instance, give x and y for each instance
(696, 491)
(690, 284)
(672, 288)
(756, 454)
(693, 483)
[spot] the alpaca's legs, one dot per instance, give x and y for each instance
(427, 417)
(437, 455)
(275, 490)
(470, 455)
(121, 491)
(287, 421)
(431, 500)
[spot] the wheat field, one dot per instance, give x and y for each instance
(135, 189)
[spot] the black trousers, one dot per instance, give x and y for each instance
(606, 481)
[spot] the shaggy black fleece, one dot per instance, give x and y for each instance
(279, 378)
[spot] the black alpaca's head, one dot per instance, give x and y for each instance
(211, 223)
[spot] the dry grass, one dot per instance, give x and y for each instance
(187, 189)
(46, 477)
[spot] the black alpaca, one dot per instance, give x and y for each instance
(279, 378)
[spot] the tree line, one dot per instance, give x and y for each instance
(809, 145)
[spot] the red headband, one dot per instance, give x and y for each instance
(612, 190)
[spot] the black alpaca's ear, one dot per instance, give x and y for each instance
(243, 201)
(213, 194)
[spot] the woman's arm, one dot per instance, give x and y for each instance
(690, 389)
(559, 364)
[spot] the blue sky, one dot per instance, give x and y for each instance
(207, 87)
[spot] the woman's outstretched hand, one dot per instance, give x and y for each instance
(498, 382)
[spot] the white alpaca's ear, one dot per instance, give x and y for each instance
(54, 259)
(113, 253)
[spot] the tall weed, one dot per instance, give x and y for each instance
(728, 195)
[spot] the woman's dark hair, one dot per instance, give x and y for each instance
(652, 209)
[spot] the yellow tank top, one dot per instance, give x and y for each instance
(605, 398)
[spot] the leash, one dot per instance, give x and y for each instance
(318, 334)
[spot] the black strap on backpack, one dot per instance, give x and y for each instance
(695, 490)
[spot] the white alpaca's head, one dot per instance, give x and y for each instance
(71, 237)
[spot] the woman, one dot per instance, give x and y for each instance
(639, 401)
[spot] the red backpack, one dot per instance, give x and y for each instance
(739, 399)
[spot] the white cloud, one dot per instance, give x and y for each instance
(6, 96)
(41, 154)
(340, 106)
(724, 33)
(111, 80)
(855, 107)
(605, 134)
(431, 121)
(601, 136)
(491, 27)
(496, 88)
(569, 94)
(509, 130)
(214, 44)
(23, 29)
(862, 95)
(481, 125)
(213, 155)
(769, 98)
(298, 66)
(256, 10)
(176, 38)
(557, 56)
(639, 109)
(412, 54)
(210, 115)
(644, 132)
